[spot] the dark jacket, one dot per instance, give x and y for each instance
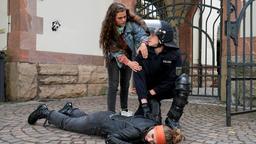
(133, 35)
(115, 128)
(119, 129)
(158, 72)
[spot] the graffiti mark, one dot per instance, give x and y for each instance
(55, 25)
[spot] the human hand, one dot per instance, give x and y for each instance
(143, 50)
(145, 108)
(147, 111)
(134, 66)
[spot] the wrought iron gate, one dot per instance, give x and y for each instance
(241, 61)
(203, 61)
(204, 22)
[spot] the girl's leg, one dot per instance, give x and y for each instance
(124, 86)
(113, 81)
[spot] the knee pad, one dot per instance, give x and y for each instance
(182, 83)
(182, 87)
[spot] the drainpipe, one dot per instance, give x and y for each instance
(2, 59)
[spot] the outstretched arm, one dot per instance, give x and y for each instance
(132, 64)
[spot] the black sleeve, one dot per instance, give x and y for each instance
(127, 135)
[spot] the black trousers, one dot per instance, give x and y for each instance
(155, 105)
(78, 121)
(116, 75)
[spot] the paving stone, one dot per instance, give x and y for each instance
(203, 122)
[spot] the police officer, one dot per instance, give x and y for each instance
(160, 76)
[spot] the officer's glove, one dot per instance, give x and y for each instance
(147, 111)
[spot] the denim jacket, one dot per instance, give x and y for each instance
(134, 35)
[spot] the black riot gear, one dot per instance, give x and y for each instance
(163, 31)
(182, 91)
(161, 73)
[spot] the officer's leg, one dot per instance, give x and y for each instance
(179, 101)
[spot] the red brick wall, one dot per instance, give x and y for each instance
(128, 3)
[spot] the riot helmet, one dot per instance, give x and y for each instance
(163, 31)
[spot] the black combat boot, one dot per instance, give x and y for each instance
(41, 112)
(67, 108)
(172, 123)
(174, 116)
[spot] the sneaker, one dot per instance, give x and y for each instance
(126, 113)
(41, 112)
(172, 123)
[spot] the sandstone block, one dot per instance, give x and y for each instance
(62, 91)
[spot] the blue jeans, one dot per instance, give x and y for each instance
(114, 75)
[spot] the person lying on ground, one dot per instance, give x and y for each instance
(117, 129)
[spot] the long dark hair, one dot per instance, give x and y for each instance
(108, 29)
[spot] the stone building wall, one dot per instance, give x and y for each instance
(26, 81)
(33, 73)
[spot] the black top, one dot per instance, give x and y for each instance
(119, 128)
(158, 72)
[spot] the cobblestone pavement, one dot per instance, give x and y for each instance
(202, 123)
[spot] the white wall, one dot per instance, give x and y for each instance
(248, 29)
(3, 24)
(207, 26)
(80, 25)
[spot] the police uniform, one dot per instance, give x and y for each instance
(159, 72)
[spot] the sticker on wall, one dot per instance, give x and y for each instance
(55, 25)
